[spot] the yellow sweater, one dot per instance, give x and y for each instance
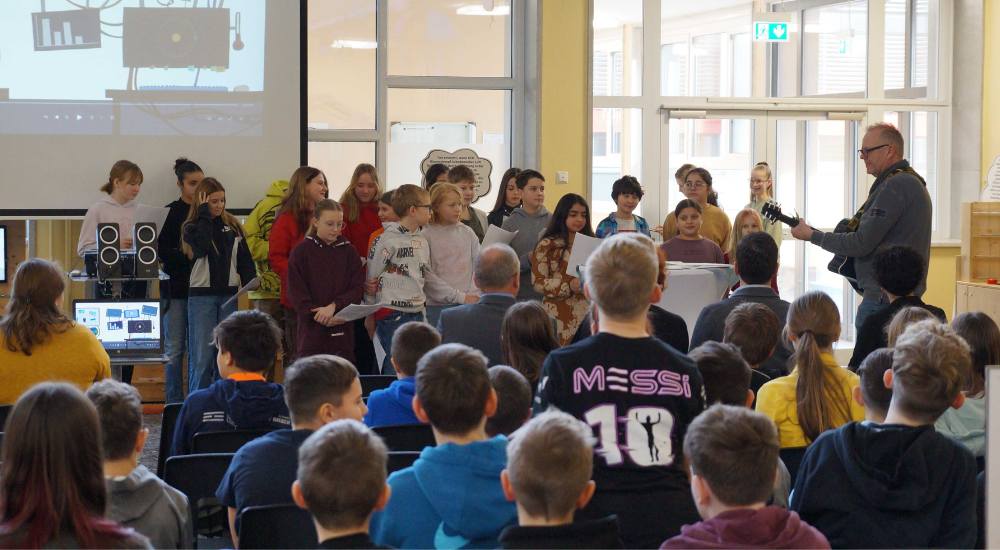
(715, 226)
(74, 356)
(776, 399)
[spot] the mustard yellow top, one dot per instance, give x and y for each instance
(776, 399)
(74, 356)
(715, 226)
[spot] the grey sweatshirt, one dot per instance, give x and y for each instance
(529, 228)
(900, 214)
(454, 249)
(400, 261)
(154, 509)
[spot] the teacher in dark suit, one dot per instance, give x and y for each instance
(497, 275)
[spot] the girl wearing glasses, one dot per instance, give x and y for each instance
(762, 191)
(715, 225)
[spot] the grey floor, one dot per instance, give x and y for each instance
(152, 449)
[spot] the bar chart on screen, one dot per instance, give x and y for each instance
(67, 30)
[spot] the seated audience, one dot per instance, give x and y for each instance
(818, 394)
(756, 331)
(549, 464)
(318, 389)
(731, 452)
(756, 262)
(451, 497)
(38, 342)
(393, 406)
(242, 399)
(903, 319)
(136, 497)
(727, 380)
(341, 481)
(639, 473)
(496, 274)
(689, 245)
(899, 270)
(52, 488)
(514, 397)
(872, 393)
(899, 484)
(527, 335)
(967, 424)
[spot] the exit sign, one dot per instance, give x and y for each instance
(767, 31)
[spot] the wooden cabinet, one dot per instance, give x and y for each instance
(980, 241)
(973, 296)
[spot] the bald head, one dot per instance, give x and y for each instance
(497, 269)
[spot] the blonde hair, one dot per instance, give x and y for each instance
(124, 170)
(815, 321)
(621, 274)
(904, 318)
(296, 201)
(325, 205)
(682, 172)
(766, 168)
(439, 193)
(737, 233)
(930, 364)
(349, 200)
(208, 186)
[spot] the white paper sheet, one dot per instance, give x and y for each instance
(354, 312)
(583, 247)
(151, 214)
(496, 235)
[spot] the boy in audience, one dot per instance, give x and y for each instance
(549, 464)
(899, 484)
(393, 406)
(248, 343)
(341, 481)
(136, 497)
(899, 270)
(397, 263)
(638, 393)
(319, 389)
(513, 401)
(756, 331)
(873, 394)
(451, 497)
(731, 452)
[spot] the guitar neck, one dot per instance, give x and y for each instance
(787, 220)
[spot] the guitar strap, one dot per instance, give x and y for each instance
(855, 221)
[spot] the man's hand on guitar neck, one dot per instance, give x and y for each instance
(803, 231)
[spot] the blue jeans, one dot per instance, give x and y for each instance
(866, 308)
(385, 328)
(175, 323)
(204, 313)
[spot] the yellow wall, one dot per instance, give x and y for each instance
(941, 278)
(563, 136)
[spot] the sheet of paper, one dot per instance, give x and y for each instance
(496, 235)
(151, 214)
(992, 190)
(583, 247)
(354, 312)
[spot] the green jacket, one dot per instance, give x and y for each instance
(258, 230)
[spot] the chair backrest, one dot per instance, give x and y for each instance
(167, 425)
(277, 526)
(4, 411)
(792, 457)
(412, 437)
(401, 459)
(228, 441)
(372, 382)
(198, 476)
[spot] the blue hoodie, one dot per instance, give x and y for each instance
(394, 405)
(230, 405)
(449, 498)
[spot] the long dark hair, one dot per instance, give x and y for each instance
(183, 167)
(983, 337)
(502, 195)
(32, 314)
(526, 338)
(557, 224)
(433, 172)
(52, 477)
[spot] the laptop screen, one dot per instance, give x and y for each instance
(124, 328)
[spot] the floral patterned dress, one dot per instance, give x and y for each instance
(548, 270)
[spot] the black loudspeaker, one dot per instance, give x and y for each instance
(147, 264)
(109, 257)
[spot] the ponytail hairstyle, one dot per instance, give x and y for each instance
(207, 186)
(510, 173)
(183, 167)
(124, 170)
(352, 207)
(32, 314)
(814, 320)
(325, 205)
(296, 202)
(737, 234)
(439, 193)
(766, 169)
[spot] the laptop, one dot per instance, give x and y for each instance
(139, 333)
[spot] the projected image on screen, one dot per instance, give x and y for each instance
(132, 68)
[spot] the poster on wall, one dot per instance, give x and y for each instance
(480, 166)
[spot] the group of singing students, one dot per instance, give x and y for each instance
(584, 418)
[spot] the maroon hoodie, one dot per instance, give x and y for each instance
(769, 527)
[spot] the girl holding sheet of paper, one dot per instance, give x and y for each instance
(454, 248)
(325, 275)
(562, 294)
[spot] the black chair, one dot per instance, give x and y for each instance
(277, 526)
(198, 476)
(401, 459)
(4, 411)
(167, 426)
(792, 457)
(228, 441)
(372, 382)
(412, 437)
